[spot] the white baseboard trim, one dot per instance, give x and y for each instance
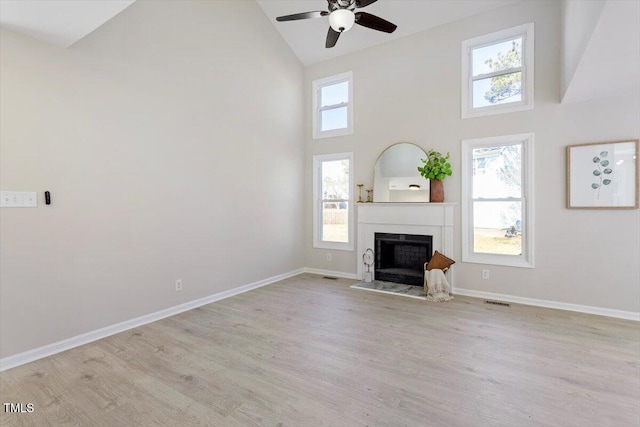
(69, 343)
(620, 314)
(330, 273)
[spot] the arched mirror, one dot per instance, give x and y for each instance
(396, 177)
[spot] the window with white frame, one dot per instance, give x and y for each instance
(332, 201)
(497, 201)
(333, 106)
(498, 72)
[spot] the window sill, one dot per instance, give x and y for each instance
(334, 246)
(500, 260)
(498, 109)
(332, 133)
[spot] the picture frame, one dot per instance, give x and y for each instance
(603, 175)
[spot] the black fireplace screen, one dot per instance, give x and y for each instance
(400, 258)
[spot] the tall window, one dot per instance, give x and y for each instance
(497, 204)
(332, 106)
(333, 208)
(497, 72)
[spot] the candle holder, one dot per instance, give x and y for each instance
(369, 199)
(360, 192)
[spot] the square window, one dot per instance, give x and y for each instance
(497, 72)
(333, 106)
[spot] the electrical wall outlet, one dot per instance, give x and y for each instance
(485, 274)
(179, 285)
(329, 257)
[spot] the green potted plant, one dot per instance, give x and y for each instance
(435, 168)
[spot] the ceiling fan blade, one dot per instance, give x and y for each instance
(364, 3)
(371, 21)
(332, 38)
(303, 15)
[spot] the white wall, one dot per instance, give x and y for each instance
(579, 20)
(409, 90)
(171, 142)
(601, 49)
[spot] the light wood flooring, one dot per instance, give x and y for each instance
(309, 351)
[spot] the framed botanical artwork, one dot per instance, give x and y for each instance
(603, 175)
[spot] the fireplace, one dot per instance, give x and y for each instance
(400, 258)
(427, 219)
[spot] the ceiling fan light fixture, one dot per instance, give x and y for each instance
(342, 20)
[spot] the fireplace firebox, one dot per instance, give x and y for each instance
(400, 258)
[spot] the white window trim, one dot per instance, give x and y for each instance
(526, 259)
(528, 71)
(319, 84)
(317, 207)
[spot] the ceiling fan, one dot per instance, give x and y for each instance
(342, 16)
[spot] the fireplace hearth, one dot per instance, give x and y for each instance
(400, 258)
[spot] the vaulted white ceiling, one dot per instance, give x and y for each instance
(610, 62)
(58, 22)
(307, 37)
(609, 65)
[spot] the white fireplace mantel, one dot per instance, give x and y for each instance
(433, 219)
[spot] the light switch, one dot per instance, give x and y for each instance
(18, 199)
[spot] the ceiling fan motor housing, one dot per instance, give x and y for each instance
(341, 4)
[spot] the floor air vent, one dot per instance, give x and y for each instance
(330, 278)
(504, 304)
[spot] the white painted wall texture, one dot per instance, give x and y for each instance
(409, 90)
(171, 142)
(579, 20)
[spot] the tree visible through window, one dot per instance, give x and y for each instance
(499, 70)
(506, 86)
